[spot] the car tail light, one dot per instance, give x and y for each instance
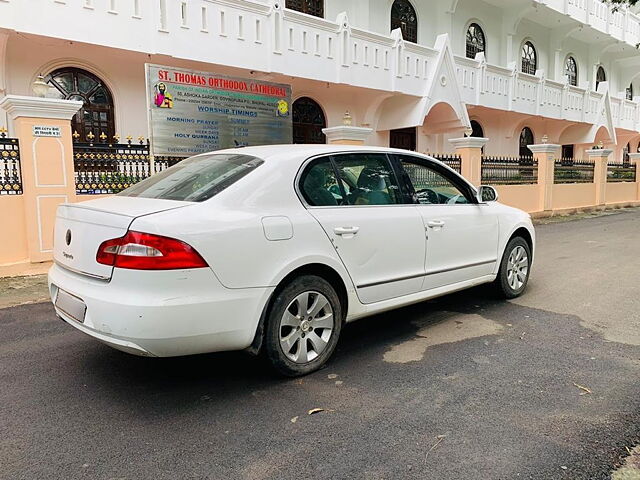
(144, 251)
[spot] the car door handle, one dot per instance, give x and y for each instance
(435, 224)
(346, 230)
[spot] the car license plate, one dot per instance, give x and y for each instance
(71, 305)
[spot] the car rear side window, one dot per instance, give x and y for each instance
(195, 179)
(368, 179)
(319, 185)
(350, 179)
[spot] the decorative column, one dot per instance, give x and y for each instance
(635, 160)
(600, 157)
(546, 154)
(43, 128)
(470, 151)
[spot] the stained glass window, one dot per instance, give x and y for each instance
(475, 40)
(571, 71)
(529, 59)
(403, 16)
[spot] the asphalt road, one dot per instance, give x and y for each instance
(465, 387)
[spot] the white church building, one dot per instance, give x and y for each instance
(417, 72)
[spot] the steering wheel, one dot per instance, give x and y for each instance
(430, 195)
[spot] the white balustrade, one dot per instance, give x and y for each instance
(264, 36)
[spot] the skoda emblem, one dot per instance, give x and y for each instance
(67, 237)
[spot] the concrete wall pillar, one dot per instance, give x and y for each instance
(635, 160)
(546, 154)
(347, 135)
(600, 157)
(470, 151)
(43, 127)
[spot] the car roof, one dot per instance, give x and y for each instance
(303, 151)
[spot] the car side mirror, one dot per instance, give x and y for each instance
(487, 193)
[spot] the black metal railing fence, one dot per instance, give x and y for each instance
(570, 170)
(621, 172)
(106, 168)
(10, 167)
(452, 160)
(422, 178)
(509, 170)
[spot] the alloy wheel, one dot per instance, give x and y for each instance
(306, 327)
(517, 268)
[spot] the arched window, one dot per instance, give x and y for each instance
(526, 139)
(97, 113)
(477, 130)
(308, 121)
(475, 40)
(571, 71)
(529, 58)
(310, 7)
(403, 16)
(601, 76)
(630, 92)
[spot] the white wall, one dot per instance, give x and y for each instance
(489, 18)
(434, 18)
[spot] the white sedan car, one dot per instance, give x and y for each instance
(276, 247)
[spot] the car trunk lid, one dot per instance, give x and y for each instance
(82, 227)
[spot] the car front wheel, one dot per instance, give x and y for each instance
(303, 326)
(514, 269)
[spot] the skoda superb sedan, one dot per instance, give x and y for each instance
(275, 248)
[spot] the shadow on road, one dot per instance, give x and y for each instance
(226, 372)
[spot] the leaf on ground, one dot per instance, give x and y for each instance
(294, 419)
(585, 390)
(331, 376)
(315, 410)
(439, 439)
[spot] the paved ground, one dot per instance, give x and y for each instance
(459, 388)
(23, 290)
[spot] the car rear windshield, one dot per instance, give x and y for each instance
(195, 179)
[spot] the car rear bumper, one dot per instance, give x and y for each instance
(163, 313)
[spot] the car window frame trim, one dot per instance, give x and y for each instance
(308, 160)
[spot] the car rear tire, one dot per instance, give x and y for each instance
(515, 268)
(303, 326)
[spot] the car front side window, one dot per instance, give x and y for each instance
(430, 186)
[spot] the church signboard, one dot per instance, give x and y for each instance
(193, 112)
